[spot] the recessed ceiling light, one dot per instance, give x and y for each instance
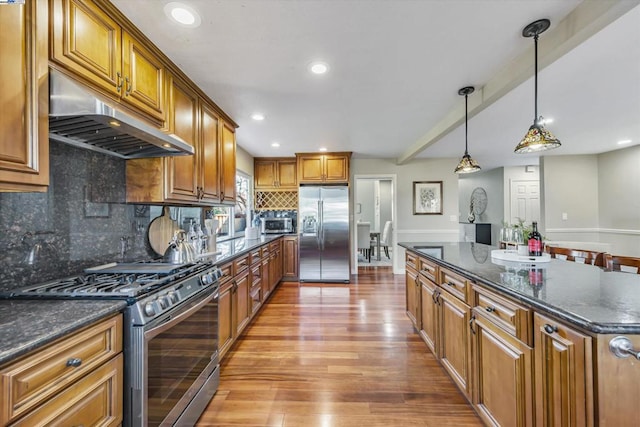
(182, 14)
(624, 141)
(275, 144)
(318, 67)
(257, 116)
(322, 149)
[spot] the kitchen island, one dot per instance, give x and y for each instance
(536, 335)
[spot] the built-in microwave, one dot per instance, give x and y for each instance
(276, 225)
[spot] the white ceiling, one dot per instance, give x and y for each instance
(395, 69)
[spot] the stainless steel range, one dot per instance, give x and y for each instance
(171, 334)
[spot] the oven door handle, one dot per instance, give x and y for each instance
(171, 321)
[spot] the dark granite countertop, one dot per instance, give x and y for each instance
(27, 325)
(590, 297)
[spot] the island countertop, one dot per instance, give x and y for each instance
(600, 301)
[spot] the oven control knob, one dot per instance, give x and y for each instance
(149, 310)
(206, 279)
(163, 302)
(173, 297)
(167, 301)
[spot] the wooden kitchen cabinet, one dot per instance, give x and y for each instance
(323, 168)
(275, 173)
(429, 313)
(290, 265)
(192, 180)
(75, 378)
(266, 272)
(563, 381)
(24, 97)
(503, 375)
(242, 284)
(90, 42)
(275, 264)
(454, 342)
(227, 164)
(412, 297)
(226, 315)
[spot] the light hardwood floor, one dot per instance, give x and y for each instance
(336, 355)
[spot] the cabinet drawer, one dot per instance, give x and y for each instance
(428, 269)
(454, 284)
(29, 382)
(273, 246)
(256, 273)
(412, 260)
(240, 264)
(514, 318)
(265, 251)
(255, 255)
(256, 298)
(227, 272)
(94, 400)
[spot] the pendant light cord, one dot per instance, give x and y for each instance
(466, 125)
(535, 117)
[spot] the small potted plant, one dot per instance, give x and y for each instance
(525, 230)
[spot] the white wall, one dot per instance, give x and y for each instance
(600, 193)
(386, 201)
(418, 228)
(492, 182)
(366, 199)
(244, 161)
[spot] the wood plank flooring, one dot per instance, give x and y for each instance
(333, 355)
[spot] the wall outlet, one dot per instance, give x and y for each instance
(565, 216)
(453, 218)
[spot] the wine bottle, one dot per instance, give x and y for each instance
(535, 241)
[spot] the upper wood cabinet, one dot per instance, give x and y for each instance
(207, 177)
(327, 168)
(275, 173)
(89, 43)
(227, 164)
(24, 97)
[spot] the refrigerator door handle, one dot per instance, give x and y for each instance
(321, 232)
(319, 226)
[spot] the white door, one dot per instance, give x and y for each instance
(525, 201)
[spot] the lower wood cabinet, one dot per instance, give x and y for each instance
(503, 394)
(43, 388)
(455, 344)
(226, 327)
(412, 296)
(563, 381)
(242, 306)
(290, 258)
(429, 313)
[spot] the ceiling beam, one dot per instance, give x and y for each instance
(583, 22)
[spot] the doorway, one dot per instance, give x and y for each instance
(524, 201)
(375, 203)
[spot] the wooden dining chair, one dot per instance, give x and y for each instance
(588, 257)
(622, 263)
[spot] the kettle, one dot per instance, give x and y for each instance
(180, 251)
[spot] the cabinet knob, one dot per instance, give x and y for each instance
(490, 309)
(74, 362)
(451, 284)
(622, 347)
(550, 329)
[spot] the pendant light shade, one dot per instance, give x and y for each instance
(537, 138)
(467, 164)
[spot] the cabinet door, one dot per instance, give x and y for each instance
(429, 314)
(266, 277)
(287, 174)
(182, 170)
(455, 344)
(503, 370)
(228, 164)
(24, 97)
(226, 327)
(144, 79)
(87, 41)
(310, 168)
(242, 306)
(336, 168)
(563, 365)
(209, 132)
(290, 261)
(412, 302)
(265, 174)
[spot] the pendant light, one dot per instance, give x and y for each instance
(467, 164)
(537, 138)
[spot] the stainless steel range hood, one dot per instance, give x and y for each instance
(79, 118)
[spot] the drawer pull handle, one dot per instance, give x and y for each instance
(451, 284)
(550, 329)
(622, 347)
(471, 322)
(490, 309)
(75, 362)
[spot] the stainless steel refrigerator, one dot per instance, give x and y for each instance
(323, 230)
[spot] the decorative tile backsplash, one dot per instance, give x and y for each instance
(82, 221)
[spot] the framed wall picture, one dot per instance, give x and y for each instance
(427, 197)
